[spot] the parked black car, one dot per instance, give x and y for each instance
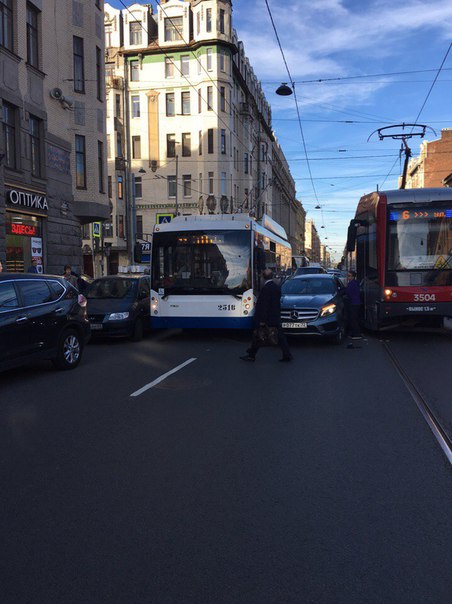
(313, 305)
(41, 317)
(119, 306)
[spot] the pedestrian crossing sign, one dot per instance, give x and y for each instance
(164, 218)
(96, 229)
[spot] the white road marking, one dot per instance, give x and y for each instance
(161, 378)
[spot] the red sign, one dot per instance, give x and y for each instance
(23, 229)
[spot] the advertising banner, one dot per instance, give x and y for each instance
(36, 252)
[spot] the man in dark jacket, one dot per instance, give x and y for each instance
(268, 312)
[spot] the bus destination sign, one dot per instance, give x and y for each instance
(420, 214)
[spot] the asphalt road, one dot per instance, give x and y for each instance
(316, 481)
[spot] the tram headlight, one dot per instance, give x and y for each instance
(387, 293)
(328, 310)
(247, 306)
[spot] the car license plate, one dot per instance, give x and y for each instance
(96, 326)
(294, 325)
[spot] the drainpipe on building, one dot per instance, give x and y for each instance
(127, 168)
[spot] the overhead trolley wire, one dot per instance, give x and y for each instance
(296, 105)
(423, 105)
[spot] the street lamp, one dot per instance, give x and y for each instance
(284, 90)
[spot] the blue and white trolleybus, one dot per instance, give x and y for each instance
(206, 270)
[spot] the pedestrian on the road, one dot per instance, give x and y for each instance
(33, 268)
(353, 307)
(69, 276)
(1, 267)
(268, 313)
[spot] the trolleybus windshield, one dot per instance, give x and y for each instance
(202, 262)
(420, 238)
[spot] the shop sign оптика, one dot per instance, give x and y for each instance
(27, 199)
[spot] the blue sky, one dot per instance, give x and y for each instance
(344, 38)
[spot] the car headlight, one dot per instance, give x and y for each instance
(118, 316)
(328, 310)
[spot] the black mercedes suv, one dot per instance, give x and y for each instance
(41, 317)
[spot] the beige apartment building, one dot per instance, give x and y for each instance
(312, 242)
(433, 166)
(189, 128)
(53, 172)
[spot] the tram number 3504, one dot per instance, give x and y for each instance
(424, 298)
(226, 307)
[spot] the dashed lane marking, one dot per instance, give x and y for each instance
(162, 378)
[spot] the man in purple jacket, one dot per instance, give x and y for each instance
(353, 296)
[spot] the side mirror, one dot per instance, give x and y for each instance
(351, 236)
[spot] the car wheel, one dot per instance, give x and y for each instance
(69, 350)
(137, 331)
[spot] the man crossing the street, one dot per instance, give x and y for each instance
(268, 312)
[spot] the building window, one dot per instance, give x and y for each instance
(135, 71)
(118, 105)
(9, 134)
(120, 188)
(171, 186)
(120, 225)
(198, 60)
(223, 183)
(199, 101)
(208, 19)
(221, 21)
(32, 36)
(173, 29)
(222, 98)
(170, 145)
(79, 65)
(186, 103)
(34, 130)
(99, 81)
(136, 106)
(108, 146)
(169, 67)
(110, 187)
(80, 162)
(136, 147)
(223, 142)
(118, 145)
(170, 106)
(139, 227)
(108, 35)
(222, 61)
(209, 98)
(100, 165)
(138, 187)
(200, 182)
(187, 185)
(247, 167)
(200, 142)
(185, 65)
(209, 59)
(6, 24)
(198, 23)
(211, 175)
(135, 30)
(186, 144)
(210, 140)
